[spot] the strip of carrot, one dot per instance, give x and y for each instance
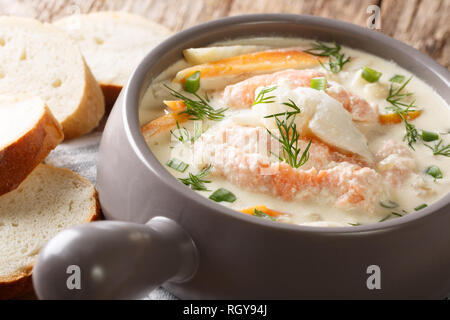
(167, 121)
(264, 209)
(393, 118)
(256, 62)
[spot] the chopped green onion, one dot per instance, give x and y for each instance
(396, 214)
(429, 136)
(355, 224)
(223, 195)
(260, 214)
(370, 75)
(389, 204)
(192, 83)
(435, 172)
(319, 83)
(177, 165)
(422, 206)
(398, 78)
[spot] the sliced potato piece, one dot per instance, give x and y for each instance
(210, 54)
(223, 72)
(393, 118)
(167, 121)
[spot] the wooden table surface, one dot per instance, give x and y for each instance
(424, 24)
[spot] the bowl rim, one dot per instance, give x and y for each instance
(132, 93)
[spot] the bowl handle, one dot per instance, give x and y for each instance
(114, 260)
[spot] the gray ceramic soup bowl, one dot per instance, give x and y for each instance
(158, 232)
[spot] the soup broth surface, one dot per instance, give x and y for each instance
(377, 134)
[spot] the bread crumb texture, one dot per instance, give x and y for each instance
(48, 201)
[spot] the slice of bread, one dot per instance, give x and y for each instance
(39, 60)
(113, 44)
(49, 200)
(28, 132)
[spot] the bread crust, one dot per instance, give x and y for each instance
(90, 110)
(91, 106)
(20, 284)
(111, 89)
(111, 92)
(18, 159)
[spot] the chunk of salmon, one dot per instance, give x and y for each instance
(242, 94)
(395, 162)
(360, 109)
(327, 176)
(224, 141)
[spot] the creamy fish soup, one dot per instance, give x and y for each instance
(300, 132)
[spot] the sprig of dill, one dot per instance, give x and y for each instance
(184, 135)
(336, 59)
(288, 138)
(439, 149)
(261, 98)
(288, 114)
(198, 109)
(391, 215)
(196, 181)
(260, 214)
(399, 106)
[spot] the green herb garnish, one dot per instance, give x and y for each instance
(439, 149)
(261, 98)
(389, 204)
(370, 75)
(435, 172)
(198, 109)
(260, 214)
(184, 135)
(398, 78)
(422, 206)
(177, 165)
(319, 83)
(396, 214)
(289, 142)
(390, 216)
(336, 59)
(223, 195)
(195, 181)
(398, 105)
(288, 114)
(192, 83)
(198, 131)
(429, 136)
(355, 224)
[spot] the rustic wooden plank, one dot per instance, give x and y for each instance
(422, 24)
(346, 10)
